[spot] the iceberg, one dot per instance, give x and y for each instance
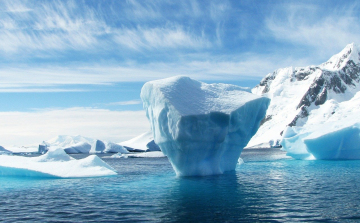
(155, 154)
(81, 147)
(202, 128)
(334, 133)
(100, 147)
(111, 147)
(55, 163)
(142, 143)
(97, 147)
(343, 144)
(4, 151)
(43, 148)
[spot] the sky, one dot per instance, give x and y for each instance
(77, 67)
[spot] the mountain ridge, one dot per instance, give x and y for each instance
(297, 92)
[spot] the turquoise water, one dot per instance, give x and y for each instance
(267, 187)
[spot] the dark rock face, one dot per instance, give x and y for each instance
(303, 74)
(335, 81)
(267, 118)
(266, 82)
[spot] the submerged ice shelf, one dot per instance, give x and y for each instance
(202, 128)
(55, 163)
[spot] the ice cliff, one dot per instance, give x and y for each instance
(302, 96)
(202, 128)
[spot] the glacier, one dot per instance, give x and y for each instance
(298, 93)
(201, 128)
(55, 163)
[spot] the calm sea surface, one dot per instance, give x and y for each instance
(267, 187)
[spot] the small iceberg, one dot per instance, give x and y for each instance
(155, 154)
(4, 151)
(55, 163)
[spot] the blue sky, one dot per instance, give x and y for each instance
(94, 56)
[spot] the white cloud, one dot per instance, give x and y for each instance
(40, 90)
(132, 102)
(243, 66)
(25, 128)
(324, 32)
(159, 38)
(59, 26)
(53, 25)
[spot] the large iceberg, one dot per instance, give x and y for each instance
(202, 128)
(334, 132)
(55, 163)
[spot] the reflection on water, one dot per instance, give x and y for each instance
(267, 187)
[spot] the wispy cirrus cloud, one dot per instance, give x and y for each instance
(159, 38)
(324, 29)
(28, 27)
(58, 26)
(54, 77)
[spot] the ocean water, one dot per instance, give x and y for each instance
(268, 187)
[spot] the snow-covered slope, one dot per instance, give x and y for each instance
(297, 94)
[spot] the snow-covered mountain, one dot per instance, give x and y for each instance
(299, 95)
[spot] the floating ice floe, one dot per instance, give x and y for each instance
(55, 163)
(202, 128)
